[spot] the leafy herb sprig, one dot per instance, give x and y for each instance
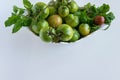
(88, 12)
(18, 18)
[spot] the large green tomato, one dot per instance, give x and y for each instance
(84, 29)
(73, 7)
(44, 35)
(41, 24)
(72, 20)
(41, 9)
(52, 10)
(63, 11)
(76, 36)
(65, 31)
(55, 20)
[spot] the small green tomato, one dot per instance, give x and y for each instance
(84, 29)
(63, 11)
(73, 7)
(76, 36)
(44, 35)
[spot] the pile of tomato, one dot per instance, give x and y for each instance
(57, 22)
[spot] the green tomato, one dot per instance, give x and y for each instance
(55, 20)
(41, 24)
(63, 11)
(44, 35)
(73, 7)
(41, 9)
(76, 36)
(52, 3)
(84, 29)
(65, 31)
(52, 10)
(72, 20)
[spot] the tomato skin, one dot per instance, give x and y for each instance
(44, 35)
(66, 32)
(55, 21)
(63, 11)
(76, 36)
(40, 8)
(72, 20)
(73, 7)
(44, 14)
(99, 20)
(52, 10)
(35, 29)
(84, 29)
(41, 24)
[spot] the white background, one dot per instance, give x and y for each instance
(23, 56)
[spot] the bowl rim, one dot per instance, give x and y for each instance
(102, 27)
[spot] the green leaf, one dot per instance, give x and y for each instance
(109, 17)
(95, 28)
(27, 4)
(87, 6)
(17, 26)
(18, 11)
(11, 20)
(104, 8)
(78, 13)
(26, 21)
(15, 9)
(83, 17)
(92, 11)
